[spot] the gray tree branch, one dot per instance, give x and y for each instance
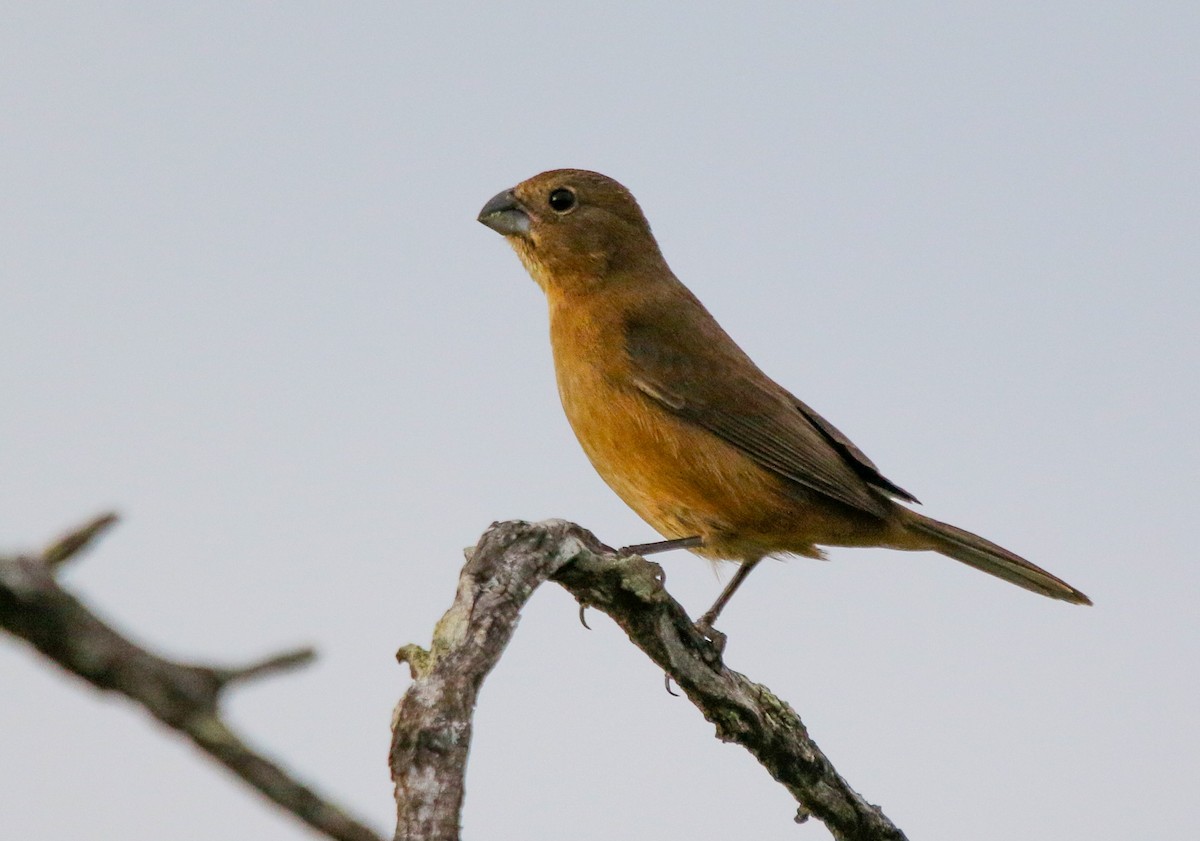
(431, 727)
(185, 697)
(432, 723)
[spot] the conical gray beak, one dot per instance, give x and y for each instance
(504, 215)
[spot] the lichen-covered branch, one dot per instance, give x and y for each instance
(432, 723)
(629, 589)
(432, 726)
(183, 696)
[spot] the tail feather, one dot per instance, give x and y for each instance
(975, 551)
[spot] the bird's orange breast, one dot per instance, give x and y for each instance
(679, 478)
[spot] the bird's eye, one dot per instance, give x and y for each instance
(562, 200)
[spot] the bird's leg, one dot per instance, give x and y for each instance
(662, 546)
(705, 623)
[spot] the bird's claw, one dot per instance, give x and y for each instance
(705, 626)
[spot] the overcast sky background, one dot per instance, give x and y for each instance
(246, 303)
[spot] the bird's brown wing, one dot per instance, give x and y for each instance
(705, 378)
(857, 459)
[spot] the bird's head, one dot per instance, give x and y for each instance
(574, 230)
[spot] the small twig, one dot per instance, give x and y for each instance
(184, 697)
(76, 540)
(283, 662)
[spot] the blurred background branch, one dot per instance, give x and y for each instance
(185, 697)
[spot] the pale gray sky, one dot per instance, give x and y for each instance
(246, 303)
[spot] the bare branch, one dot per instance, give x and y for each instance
(184, 697)
(629, 589)
(432, 724)
(431, 728)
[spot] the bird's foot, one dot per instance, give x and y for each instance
(705, 626)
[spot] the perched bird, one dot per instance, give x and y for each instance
(677, 419)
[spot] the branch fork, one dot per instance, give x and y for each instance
(432, 723)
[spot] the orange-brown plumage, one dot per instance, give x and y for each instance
(681, 424)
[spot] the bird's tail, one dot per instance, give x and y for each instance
(984, 555)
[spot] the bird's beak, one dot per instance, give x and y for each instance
(504, 215)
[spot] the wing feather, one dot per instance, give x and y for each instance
(709, 381)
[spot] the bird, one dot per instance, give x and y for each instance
(677, 419)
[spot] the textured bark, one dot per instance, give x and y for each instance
(432, 722)
(432, 725)
(629, 589)
(184, 697)
(431, 728)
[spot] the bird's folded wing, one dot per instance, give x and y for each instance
(713, 384)
(856, 457)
